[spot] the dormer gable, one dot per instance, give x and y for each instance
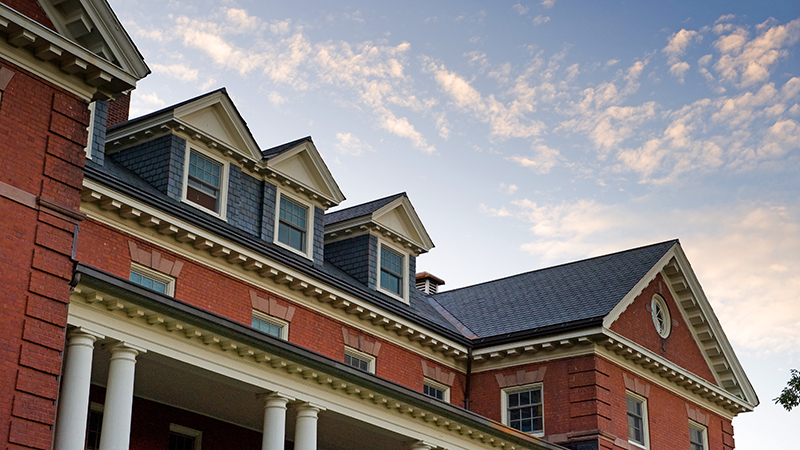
(392, 218)
(685, 305)
(298, 165)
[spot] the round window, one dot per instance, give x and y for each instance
(658, 308)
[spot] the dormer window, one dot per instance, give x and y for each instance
(292, 225)
(294, 220)
(205, 179)
(392, 272)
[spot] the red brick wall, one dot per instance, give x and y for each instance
(106, 248)
(32, 9)
(588, 394)
(42, 135)
(636, 323)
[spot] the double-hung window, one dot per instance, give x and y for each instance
(359, 360)
(392, 271)
(637, 420)
(273, 327)
(204, 181)
(293, 224)
(524, 409)
(183, 438)
(698, 439)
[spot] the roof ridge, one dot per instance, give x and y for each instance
(555, 267)
(393, 197)
(167, 108)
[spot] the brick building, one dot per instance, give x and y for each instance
(173, 285)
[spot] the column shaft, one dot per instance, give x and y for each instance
(116, 431)
(73, 400)
(305, 431)
(274, 436)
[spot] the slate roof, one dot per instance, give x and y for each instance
(360, 210)
(275, 151)
(581, 290)
(168, 108)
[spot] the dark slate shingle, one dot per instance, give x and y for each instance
(557, 295)
(360, 210)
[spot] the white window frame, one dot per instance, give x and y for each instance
(186, 431)
(645, 419)
(275, 321)
(436, 385)
(309, 253)
(662, 304)
(223, 182)
(702, 428)
(156, 275)
(511, 390)
(404, 283)
(362, 356)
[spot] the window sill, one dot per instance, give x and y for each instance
(294, 250)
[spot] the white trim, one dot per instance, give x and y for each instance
(90, 130)
(309, 253)
(404, 282)
(186, 431)
(659, 301)
(436, 385)
(336, 196)
(284, 325)
(703, 429)
(369, 359)
(645, 419)
(222, 199)
(511, 390)
(155, 275)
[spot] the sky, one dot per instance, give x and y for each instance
(529, 134)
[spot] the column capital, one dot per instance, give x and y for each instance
(421, 445)
(124, 348)
(274, 399)
(308, 408)
(81, 332)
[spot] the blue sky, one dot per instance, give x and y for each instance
(533, 133)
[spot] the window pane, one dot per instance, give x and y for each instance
(148, 282)
(635, 421)
(93, 430)
(179, 441)
(525, 410)
(268, 327)
(292, 225)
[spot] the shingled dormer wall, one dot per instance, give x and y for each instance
(358, 256)
(159, 162)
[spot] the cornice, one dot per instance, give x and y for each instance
(112, 300)
(102, 79)
(263, 269)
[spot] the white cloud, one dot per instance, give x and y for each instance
(276, 99)
(508, 189)
(177, 71)
(612, 62)
(544, 159)
(548, 3)
(349, 144)
(521, 10)
(746, 63)
(678, 70)
(540, 19)
(678, 43)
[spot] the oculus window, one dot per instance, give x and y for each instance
(660, 313)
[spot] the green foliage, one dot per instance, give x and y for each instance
(790, 396)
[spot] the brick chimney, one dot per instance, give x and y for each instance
(118, 110)
(428, 283)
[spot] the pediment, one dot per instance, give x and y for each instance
(401, 218)
(304, 166)
(94, 26)
(698, 317)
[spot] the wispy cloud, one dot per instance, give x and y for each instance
(349, 144)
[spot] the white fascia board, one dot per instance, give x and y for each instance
(113, 80)
(336, 196)
(638, 288)
(253, 152)
(745, 404)
(405, 203)
(716, 328)
(587, 333)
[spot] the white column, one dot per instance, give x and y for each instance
(116, 431)
(305, 430)
(73, 400)
(274, 436)
(422, 445)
